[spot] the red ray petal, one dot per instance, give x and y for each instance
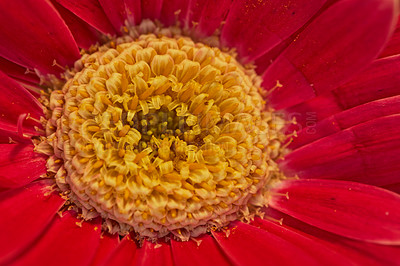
(84, 34)
(358, 252)
(326, 54)
(366, 153)
(15, 100)
(206, 16)
(115, 11)
(348, 209)
(124, 253)
(343, 120)
(254, 27)
(151, 9)
(26, 212)
(91, 12)
(323, 254)
(32, 87)
(35, 41)
(202, 252)
(20, 165)
(385, 255)
(393, 187)
(265, 247)
(118, 11)
(106, 246)
(16, 71)
(15, 105)
(9, 134)
(393, 46)
(380, 80)
(154, 254)
(265, 60)
(173, 10)
(67, 241)
(133, 11)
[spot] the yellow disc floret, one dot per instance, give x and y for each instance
(161, 135)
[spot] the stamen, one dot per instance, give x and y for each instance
(58, 65)
(286, 195)
(278, 221)
(277, 85)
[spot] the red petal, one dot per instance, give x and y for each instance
(206, 16)
(154, 254)
(265, 247)
(173, 10)
(343, 120)
(67, 241)
(385, 255)
(366, 153)
(118, 11)
(380, 80)
(106, 246)
(323, 254)
(15, 100)
(115, 11)
(34, 35)
(393, 187)
(26, 212)
(84, 34)
(264, 61)
(91, 12)
(20, 165)
(9, 134)
(326, 54)
(133, 11)
(151, 9)
(16, 71)
(124, 254)
(15, 105)
(202, 252)
(348, 209)
(254, 27)
(357, 252)
(393, 46)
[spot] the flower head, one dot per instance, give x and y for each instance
(179, 131)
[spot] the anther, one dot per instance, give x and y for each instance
(98, 164)
(124, 131)
(93, 128)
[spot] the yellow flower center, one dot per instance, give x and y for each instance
(161, 135)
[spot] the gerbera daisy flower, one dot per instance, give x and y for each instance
(199, 132)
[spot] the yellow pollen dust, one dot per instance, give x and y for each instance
(161, 135)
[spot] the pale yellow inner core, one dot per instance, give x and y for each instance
(161, 135)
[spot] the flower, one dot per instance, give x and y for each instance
(324, 66)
